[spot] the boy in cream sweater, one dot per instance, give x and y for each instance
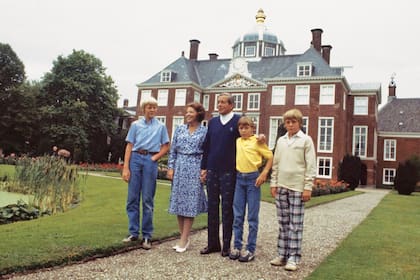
(292, 176)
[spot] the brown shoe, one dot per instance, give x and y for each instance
(209, 250)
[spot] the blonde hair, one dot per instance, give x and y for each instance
(148, 101)
(293, 114)
(244, 120)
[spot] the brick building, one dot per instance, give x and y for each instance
(340, 117)
(398, 134)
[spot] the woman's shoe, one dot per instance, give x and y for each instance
(182, 250)
(175, 247)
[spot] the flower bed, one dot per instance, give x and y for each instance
(104, 167)
(323, 187)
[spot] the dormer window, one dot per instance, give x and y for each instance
(237, 50)
(304, 70)
(166, 76)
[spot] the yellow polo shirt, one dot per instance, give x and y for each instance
(250, 154)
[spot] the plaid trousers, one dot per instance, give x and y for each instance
(290, 214)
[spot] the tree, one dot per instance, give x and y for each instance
(79, 106)
(18, 102)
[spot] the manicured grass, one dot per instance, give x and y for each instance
(386, 245)
(316, 200)
(96, 227)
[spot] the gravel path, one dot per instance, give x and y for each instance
(325, 226)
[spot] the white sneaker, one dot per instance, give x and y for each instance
(277, 261)
(291, 266)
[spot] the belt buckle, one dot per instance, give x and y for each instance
(143, 152)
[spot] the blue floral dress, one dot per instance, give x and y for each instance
(187, 195)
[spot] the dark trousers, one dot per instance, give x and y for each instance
(220, 184)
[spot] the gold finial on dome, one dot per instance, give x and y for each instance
(260, 16)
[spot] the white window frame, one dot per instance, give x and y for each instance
(327, 95)
(324, 167)
(253, 101)
(162, 97)
(275, 122)
(165, 76)
(237, 50)
(180, 97)
(390, 150)
(328, 130)
(360, 138)
(387, 177)
(278, 95)
(197, 96)
(206, 101)
(250, 51)
(176, 121)
(361, 105)
(302, 93)
(162, 119)
(145, 94)
(304, 70)
(237, 101)
(215, 102)
(269, 51)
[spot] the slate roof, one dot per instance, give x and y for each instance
(400, 115)
(208, 72)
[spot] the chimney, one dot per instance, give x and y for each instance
(326, 50)
(213, 56)
(125, 103)
(194, 48)
(182, 53)
(391, 89)
(316, 38)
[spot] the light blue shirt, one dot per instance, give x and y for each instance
(147, 135)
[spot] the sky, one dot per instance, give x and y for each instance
(135, 39)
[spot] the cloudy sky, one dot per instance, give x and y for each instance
(135, 39)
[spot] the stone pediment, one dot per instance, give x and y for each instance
(238, 81)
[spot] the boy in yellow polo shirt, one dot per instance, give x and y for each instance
(249, 156)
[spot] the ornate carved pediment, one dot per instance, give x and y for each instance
(238, 81)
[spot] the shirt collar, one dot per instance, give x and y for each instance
(226, 118)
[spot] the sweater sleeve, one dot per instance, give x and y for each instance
(274, 169)
(310, 160)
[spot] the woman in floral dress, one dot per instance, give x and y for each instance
(187, 196)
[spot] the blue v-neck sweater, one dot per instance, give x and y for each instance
(220, 145)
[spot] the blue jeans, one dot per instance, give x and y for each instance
(142, 184)
(246, 193)
(220, 184)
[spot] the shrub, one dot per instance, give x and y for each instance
(350, 170)
(406, 178)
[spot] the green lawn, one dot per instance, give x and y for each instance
(95, 227)
(386, 245)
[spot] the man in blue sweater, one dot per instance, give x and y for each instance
(218, 169)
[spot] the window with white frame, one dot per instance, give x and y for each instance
(327, 95)
(162, 97)
(253, 101)
(388, 176)
(325, 134)
(302, 95)
(304, 70)
(162, 119)
(324, 167)
(176, 121)
(145, 94)
(250, 51)
(390, 148)
(360, 140)
(216, 96)
(278, 95)
(237, 101)
(206, 101)
(197, 96)
(165, 76)
(275, 122)
(180, 97)
(361, 105)
(269, 51)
